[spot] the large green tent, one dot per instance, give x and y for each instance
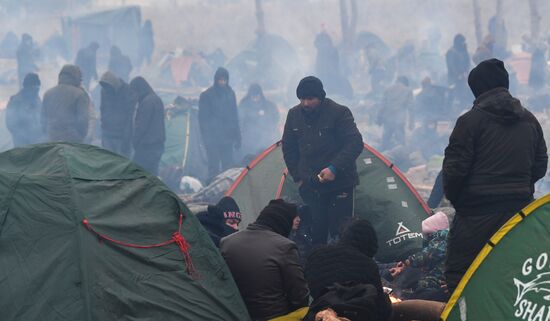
(88, 235)
(510, 278)
(384, 197)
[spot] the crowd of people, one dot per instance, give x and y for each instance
(302, 260)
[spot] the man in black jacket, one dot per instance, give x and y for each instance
(320, 145)
(219, 123)
(496, 153)
(23, 113)
(265, 263)
(149, 130)
(118, 105)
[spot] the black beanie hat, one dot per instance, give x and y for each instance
(31, 80)
(278, 215)
(310, 87)
(488, 75)
(361, 235)
(221, 73)
(229, 208)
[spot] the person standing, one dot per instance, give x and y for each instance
(495, 155)
(120, 64)
(146, 43)
(65, 111)
(117, 114)
(23, 113)
(458, 66)
(86, 60)
(321, 143)
(261, 118)
(397, 105)
(149, 130)
(219, 123)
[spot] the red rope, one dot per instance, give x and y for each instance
(177, 238)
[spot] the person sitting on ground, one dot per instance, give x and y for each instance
(430, 261)
(221, 220)
(348, 264)
(265, 263)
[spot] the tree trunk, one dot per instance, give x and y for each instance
(535, 19)
(477, 22)
(260, 18)
(349, 25)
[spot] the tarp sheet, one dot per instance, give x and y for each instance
(53, 268)
(384, 197)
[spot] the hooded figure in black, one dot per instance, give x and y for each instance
(265, 263)
(120, 64)
(23, 113)
(219, 123)
(458, 66)
(117, 107)
(216, 219)
(25, 57)
(496, 153)
(86, 60)
(260, 119)
(149, 130)
(327, 67)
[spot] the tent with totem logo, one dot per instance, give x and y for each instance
(86, 234)
(384, 197)
(510, 278)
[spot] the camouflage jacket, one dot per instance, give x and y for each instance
(431, 260)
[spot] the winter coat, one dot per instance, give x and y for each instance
(496, 153)
(117, 107)
(267, 271)
(149, 130)
(65, 111)
(327, 137)
(259, 124)
(458, 63)
(218, 116)
(23, 117)
(332, 264)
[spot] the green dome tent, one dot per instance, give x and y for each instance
(87, 235)
(384, 197)
(510, 278)
(183, 147)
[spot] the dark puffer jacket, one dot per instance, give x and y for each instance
(117, 108)
(65, 111)
(149, 130)
(332, 264)
(495, 155)
(327, 137)
(218, 116)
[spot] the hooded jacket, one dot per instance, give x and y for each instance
(65, 108)
(149, 130)
(311, 143)
(218, 117)
(117, 108)
(496, 151)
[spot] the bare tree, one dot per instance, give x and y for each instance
(477, 22)
(535, 19)
(348, 21)
(260, 18)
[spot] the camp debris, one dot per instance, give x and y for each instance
(384, 197)
(86, 234)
